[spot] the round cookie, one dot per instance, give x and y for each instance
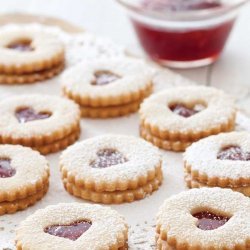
(111, 163)
(102, 83)
(77, 226)
(24, 51)
(38, 120)
(222, 160)
(24, 177)
(187, 114)
(206, 218)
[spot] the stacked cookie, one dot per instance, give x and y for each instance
(206, 218)
(29, 56)
(177, 117)
(73, 226)
(24, 178)
(43, 122)
(111, 169)
(108, 88)
(222, 160)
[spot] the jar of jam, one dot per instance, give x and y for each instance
(183, 33)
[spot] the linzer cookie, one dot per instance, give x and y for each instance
(73, 226)
(24, 177)
(43, 122)
(111, 169)
(108, 88)
(177, 117)
(206, 218)
(222, 160)
(29, 56)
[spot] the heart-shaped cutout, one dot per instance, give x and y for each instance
(184, 111)
(24, 115)
(6, 170)
(72, 231)
(210, 221)
(108, 157)
(233, 153)
(21, 45)
(104, 77)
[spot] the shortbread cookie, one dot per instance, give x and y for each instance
(102, 83)
(24, 177)
(222, 160)
(115, 197)
(38, 121)
(76, 226)
(111, 163)
(31, 77)
(23, 51)
(187, 114)
(206, 218)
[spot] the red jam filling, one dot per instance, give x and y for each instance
(182, 110)
(210, 221)
(72, 231)
(22, 45)
(107, 158)
(233, 153)
(28, 114)
(104, 77)
(6, 170)
(184, 44)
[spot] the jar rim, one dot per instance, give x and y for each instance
(182, 16)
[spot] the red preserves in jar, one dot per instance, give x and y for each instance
(183, 33)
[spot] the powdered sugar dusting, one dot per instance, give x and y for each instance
(140, 156)
(30, 166)
(175, 217)
(134, 75)
(107, 226)
(219, 109)
(202, 156)
(64, 113)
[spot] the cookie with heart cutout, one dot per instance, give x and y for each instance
(24, 51)
(206, 218)
(108, 88)
(24, 177)
(77, 226)
(43, 122)
(175, 118)
(114, 169)
(222, 160)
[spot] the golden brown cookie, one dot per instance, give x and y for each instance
(25, 51)
(177, 117)
(206, 218)
(24, 177)
(46, 123)
(108, 88)
(73, 226)
(221, 160)
(114, 169)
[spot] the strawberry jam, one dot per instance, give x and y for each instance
(196, 43)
